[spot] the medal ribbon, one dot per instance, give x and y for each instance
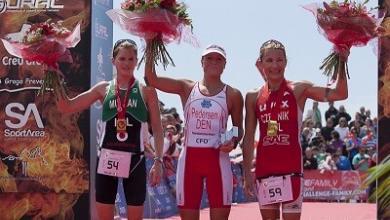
(274, 112)
(121, 109)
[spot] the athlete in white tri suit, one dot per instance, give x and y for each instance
(206, 118)
(207, 105)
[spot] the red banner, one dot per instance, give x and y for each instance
(334, 185)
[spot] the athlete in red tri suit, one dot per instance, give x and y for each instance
(277, 107)
(207, 105)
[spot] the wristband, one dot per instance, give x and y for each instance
(159, 159)
(327, 90)
(235, 142)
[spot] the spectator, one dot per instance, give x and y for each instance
(343, 113)
(368, 125)
(170, 140)
(319, 154)
(317, 138)
(171, 153)
(308, 123)
(342, 128)
(315, 115)
(329, 164)
(326, 131)
(331, 111)
(309, 161)
(368, 113)
(342, 161)
(375, 125)
(161, 106)
(369, 140)
(352, 143)
(335, 143)
(357, 120)
(362, 113)
(361, 160)
(305, 138)
(358, 128)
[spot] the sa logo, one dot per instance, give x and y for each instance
(18, 111)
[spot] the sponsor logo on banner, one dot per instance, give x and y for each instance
(334, 185)
(17, 116)
(29, 5)
(35, 153)
(100, 76)
(101, 31)
(21, 82)
(16, 61)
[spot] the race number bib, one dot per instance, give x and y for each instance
(274, 190)
(114, 163)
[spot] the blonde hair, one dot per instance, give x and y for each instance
(272, 44)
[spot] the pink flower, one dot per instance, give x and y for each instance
(128, 4)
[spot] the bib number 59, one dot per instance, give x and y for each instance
(274, 191)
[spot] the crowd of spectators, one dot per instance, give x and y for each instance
(343, 143)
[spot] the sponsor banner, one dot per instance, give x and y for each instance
(43, 155)
(101, 69)
(18, 6)
(336, 185)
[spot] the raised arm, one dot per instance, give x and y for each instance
(177, 86)
(151, 100)
(83, 100)
(340, 92)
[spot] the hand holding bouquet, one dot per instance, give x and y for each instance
(156, 21)
(46, 43)
(344, 24)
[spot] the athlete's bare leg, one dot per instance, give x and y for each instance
(189, 214)
(135, 212)
(219, 213)
(105, 211)
(291, 216)
(270, 214)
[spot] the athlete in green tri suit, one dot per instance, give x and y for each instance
(127, 107)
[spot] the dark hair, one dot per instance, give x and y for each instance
(335, 134)
(272, 44)
(124, 43)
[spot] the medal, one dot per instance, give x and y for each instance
(121, 123)
(272, 128)
(273, 125)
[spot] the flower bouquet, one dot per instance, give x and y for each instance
(344, 23)
(156, 21)
(46, 43)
